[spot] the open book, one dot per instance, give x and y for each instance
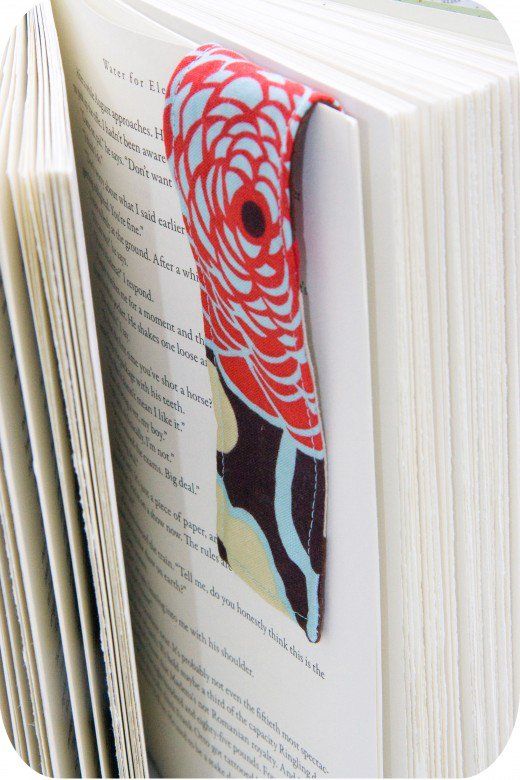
(129, 641)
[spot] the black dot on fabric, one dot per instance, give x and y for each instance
(253, 218)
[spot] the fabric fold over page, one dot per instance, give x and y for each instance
(229, 130)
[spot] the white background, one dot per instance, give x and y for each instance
(508, 763)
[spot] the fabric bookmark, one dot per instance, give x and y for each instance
(229, 130)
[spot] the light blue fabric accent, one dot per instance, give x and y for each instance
(266, 322)
(267, 171)
(183, 177)
(287, 341)
(202, 235)
(248, 145)
(233, 183)
(292, 325)
(265, 190)
(209, 183)
(275, 292)
(175, 115)
(201, 202)
(222, 146)
(285, 465)
(279, 95)
(227, 255)
(265, 128)
(274, 77)
(194, 108)
(241, 162)
(217, 273)
(241, 314)
(287, 233)
(218, 77)
(258, 304)
(303, 104)
(291, 379)
(184, 209)
(243, 127)
(195, 149)
(177, 80)
(213, 131)
(225, 109)
(231, 239)
(272, 154)
(277, 117)
(242, 285)
(245, 89)
(252, 250)
(266, 270)
(220, 189)
(275, 245)
(283, 308)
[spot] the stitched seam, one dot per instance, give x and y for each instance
(270, 593)
(221, 416)
(237, 561)
(287, 159)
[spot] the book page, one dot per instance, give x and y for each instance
(230, 686)
(51, 700)
(8, 701)
(15, 685)
(44, 186)
(477, 22)
(52, 462)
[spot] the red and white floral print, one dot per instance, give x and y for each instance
(229, 131)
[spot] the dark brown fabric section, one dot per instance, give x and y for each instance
(250, 483)
(308, 499)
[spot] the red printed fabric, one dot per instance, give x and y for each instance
(229, 130)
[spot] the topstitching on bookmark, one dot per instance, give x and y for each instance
(229, 129)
